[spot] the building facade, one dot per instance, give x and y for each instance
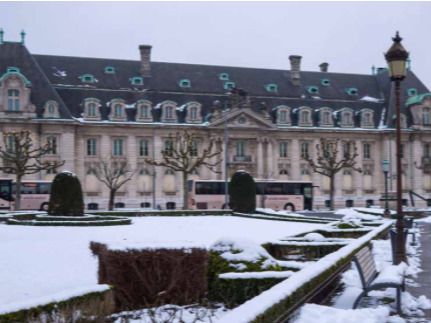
(93, 108)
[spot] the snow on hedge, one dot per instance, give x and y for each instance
(251, 309)
(36, 262)
(352, 214)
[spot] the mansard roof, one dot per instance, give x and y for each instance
(62, 78)
(16, 55)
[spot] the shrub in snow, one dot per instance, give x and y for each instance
(152, 277)
(314, 236)
(66, 196)
(228, 256)
(242, 192)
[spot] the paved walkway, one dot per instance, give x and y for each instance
(424, 277)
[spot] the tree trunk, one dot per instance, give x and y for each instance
(331, 192)
(185, 192)
(18, 193)
(111, 199)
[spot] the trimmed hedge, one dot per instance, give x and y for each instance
(242, 192)
(162, 213)
(83, 221)
(66, 197)
(93, 306)
(152, 277)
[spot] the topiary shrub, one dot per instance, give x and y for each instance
(242, 192)
(66, 196)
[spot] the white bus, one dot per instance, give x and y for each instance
(34, 194)
(277, 195)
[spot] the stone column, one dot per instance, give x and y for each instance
(270, 159)
(295, 160)
(357, 177)
(131, 157)
(67, 143)
(259, 158)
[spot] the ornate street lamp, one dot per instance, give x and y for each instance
(396, 57)
(385, 168)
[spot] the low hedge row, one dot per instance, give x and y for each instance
(162, 213)
(71, 221)
(92, 307)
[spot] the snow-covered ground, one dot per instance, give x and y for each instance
(36, 262)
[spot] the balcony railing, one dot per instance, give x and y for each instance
(242, 158)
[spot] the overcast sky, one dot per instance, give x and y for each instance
(351, 36)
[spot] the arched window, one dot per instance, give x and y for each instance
(169, 112)
(91, 112)
(13, 100)
(346, 119)
(283, 115)
(304, 117)
(91, 108)
(326, 117)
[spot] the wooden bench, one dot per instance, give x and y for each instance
(390, 276)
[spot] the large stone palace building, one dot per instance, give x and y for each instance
(92, 108)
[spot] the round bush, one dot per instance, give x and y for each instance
(242, 192)
(66, 196)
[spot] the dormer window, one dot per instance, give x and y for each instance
(87, 78)
(352, 91)
(325, 82)
(193, 113)
(347, 118)
(91, 109)
(272, 88)
(13, 103)
(305, 117)
(144, 111)
(109, 70)
(229, 85)
(223, 76)
(184, 83)
(313, 90)
(283, 115)
(51, 110)
(117, 110)
(326, 119)
(412, 92)
(367, 118)
(169, 111)
(136, 80)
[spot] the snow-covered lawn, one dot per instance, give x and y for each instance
(36, 262)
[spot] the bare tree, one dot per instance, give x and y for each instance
(20, 157)
(329, 161)
(181, 154)
(114, 173)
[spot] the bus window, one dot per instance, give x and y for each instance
(6, 189)
(28, 188)
(307, 191)
(43, 188)
(274, 189)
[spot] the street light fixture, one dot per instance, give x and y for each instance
(396, 57)
(385, 168)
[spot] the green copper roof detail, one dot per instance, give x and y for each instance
(228, 85)
(313, 89)
(109, 70)
(184, 83)
(136, 80)
(412, 91)
(272, 87)
(223, 76)
(12, 70)
(352, 91)
(87, 78)
(1, 36)
(325, 82)
(417, 99)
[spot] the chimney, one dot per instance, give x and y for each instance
(324, 67)
(145, 51)
(295, 67)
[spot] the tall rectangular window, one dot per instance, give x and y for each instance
(91, 109)
(117, 148)
(304, 150)
(194, 148)
(402, 151)
(52, 144)
(91, 147)
(240, 148)
(143, 147)
(169, 147)
(13, 100)
(118, 111)
(283, 149)
(367, 150)
(10, 144)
